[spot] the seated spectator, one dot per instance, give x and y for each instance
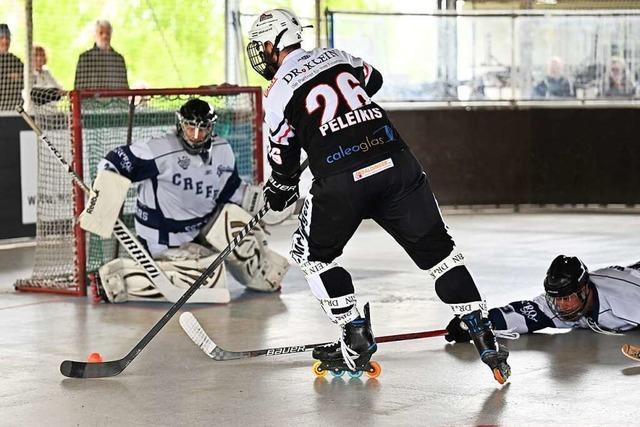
(101, 67)
(619, 82)
(555, 84)
(44, 88)
(11, 69)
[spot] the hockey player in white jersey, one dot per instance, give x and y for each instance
(606, 301)
(190, 202)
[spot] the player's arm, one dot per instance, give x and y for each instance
(523, 317)
(281, 189)
(116, 171)
(370, 78)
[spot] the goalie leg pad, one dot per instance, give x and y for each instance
(123, 280)
(106, 198)
(251, 263)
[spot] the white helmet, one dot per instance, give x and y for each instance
(282, 28)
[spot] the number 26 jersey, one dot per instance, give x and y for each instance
(320, 101)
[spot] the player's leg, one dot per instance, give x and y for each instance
(410, 213)
(330, 215)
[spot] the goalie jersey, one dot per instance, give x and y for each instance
(320, 101)
(616, 306)
(177, 192)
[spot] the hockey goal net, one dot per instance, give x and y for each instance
(84, 126)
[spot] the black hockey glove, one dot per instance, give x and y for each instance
(281, 191)
(455, 331)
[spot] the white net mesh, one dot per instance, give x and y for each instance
(105, 123)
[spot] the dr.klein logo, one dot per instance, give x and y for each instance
(388, 135)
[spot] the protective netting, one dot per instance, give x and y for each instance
(94, 125)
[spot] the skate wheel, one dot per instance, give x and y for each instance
(355, 374)
(375, 370)
(500, 376)
(318, 371)
(337, 372)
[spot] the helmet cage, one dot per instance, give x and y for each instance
(572, 314)
(258, 58)
(206, 126)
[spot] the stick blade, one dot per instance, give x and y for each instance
(73, 369)
(194, 330)
(631, 351)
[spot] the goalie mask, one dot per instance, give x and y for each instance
(194, 126)
(281, 28)
(567, 288)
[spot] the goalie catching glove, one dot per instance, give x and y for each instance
(106, 198)
(281, 191)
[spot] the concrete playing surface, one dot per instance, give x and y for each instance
(575, 378)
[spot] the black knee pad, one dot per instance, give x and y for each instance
(457, 286)
(432, 248)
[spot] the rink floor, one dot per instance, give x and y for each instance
(575, 378)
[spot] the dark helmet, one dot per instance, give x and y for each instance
(194, 125)
(567, 276)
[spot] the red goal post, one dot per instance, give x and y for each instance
(86, 124)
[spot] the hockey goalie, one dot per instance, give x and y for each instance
(190, 204)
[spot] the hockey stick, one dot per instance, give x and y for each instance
(111, 368)
(629, 350)
(197, 334)
(132, 110)
(128, 239)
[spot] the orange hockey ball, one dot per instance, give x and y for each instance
(94, 358)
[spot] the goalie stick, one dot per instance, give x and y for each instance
(128, 240)
(74, 369)
(629, 350)
(197, 334)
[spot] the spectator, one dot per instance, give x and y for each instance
(42, 78)
(555, 84)
(619, 82)
(45, 87)
(101, 66)
(11, 69)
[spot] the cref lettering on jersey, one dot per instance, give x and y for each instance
(309, 65)
(349, 119)
(188, 184)
(380, 137)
